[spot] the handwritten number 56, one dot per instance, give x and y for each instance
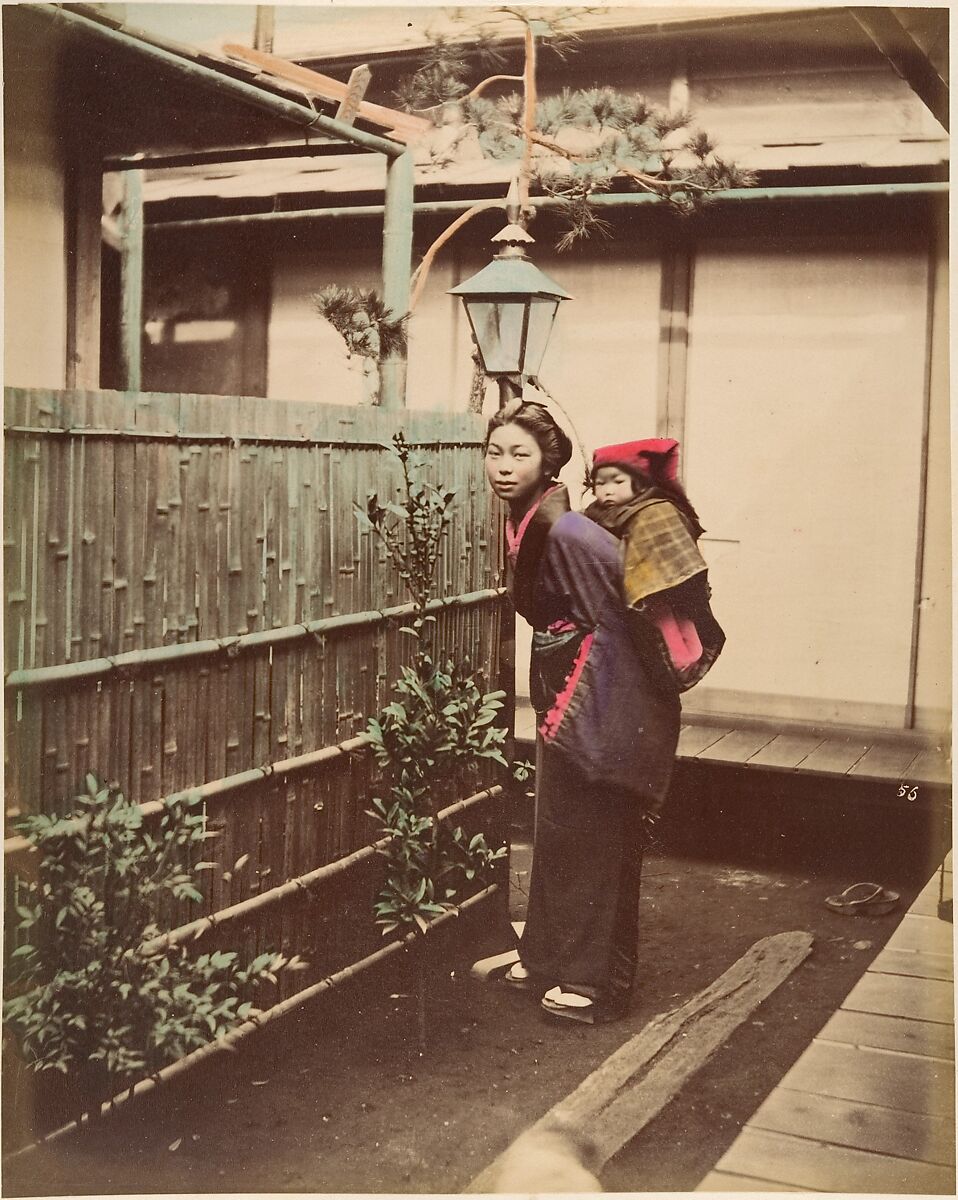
(905, 789)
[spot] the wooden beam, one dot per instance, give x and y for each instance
(636, 1082)
(85, 200)
(131, 283)
(675, 294)
(230, 154)
(401, 125)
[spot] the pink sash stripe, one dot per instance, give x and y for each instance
(553, 718)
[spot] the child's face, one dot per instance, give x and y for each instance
(612, 485)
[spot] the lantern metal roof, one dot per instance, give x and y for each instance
(507, 275)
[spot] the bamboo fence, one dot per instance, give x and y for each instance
(192, 604)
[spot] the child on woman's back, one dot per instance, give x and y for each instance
(639, 499)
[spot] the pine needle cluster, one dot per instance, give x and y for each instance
(368, 328)
(444, 72)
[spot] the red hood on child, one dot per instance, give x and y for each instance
(656, 460)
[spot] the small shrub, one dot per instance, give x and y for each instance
(82, 997)
(438, 728)
(431, 739)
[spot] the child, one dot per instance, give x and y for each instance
(639, 499)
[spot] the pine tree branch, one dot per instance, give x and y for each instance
(650, 183)
(548, 144)
(528, 119)
(422, 271)
(481, 87)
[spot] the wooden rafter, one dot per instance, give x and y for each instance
(909, 59)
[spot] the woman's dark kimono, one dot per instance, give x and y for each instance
(607, 745)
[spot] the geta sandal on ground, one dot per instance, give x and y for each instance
(519, 978)
(863, 900)
(571, 1006)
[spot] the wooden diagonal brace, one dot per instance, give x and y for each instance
(403, 126)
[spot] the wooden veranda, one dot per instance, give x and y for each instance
(869, 1106)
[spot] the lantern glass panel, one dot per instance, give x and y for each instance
(498, 327)
(541, 315)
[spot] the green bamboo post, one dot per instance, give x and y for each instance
(397, 269)
(131, 283)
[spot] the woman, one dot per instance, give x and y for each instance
(607, 735)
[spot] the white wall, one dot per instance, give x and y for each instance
(803, 456)
(34, 233)
(306, 357)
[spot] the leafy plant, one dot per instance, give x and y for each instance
(359, 316)
(84, 995)
(432, 737)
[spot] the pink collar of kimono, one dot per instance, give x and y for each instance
(514, 535)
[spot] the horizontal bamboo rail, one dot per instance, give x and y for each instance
(221, 787)
(229, 1040)
(303, 883)
(178, 652)
(225, 439)
(858, 191)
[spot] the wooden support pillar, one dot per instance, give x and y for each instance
(397, 269)
(85, 208)
(675, 298)
(131, 283)
(264, 28)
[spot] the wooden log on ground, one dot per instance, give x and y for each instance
(635, 1083)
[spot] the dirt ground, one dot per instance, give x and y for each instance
(335, 1098)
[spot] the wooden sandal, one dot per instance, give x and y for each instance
(863, 900)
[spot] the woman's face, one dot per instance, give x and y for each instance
(612, 485)
(514, 465)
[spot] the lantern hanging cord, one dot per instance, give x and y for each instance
(539, 386)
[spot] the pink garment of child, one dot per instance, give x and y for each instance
(679, 634)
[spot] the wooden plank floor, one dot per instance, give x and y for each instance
(881, 756)
(869, 1107)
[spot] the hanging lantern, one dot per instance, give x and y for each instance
(511, 306)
